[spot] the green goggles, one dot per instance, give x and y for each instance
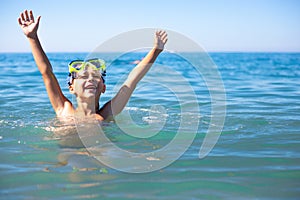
(78, 65)
(97, 64)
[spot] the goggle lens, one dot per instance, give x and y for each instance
(77, 65)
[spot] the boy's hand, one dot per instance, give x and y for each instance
(28, 24)
(161, 38)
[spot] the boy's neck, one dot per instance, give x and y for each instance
(86, 107)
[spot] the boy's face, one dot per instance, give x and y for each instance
(88, 83)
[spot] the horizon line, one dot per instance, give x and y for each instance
(7, 52)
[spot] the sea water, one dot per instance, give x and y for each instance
(256, 157)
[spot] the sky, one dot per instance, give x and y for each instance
(216, 25)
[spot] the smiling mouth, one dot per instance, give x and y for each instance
(91, 87)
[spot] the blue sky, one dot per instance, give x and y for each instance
(216, 25)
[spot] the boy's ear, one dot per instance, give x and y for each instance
(103, 89)
(71, 89)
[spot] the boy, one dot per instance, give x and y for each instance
(86, 78)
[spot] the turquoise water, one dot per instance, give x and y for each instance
(256, 157)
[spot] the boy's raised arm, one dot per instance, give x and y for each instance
(30, 27)
(117, 104)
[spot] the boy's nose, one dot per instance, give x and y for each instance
(90, 78)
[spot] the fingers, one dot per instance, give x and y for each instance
(38, 19)
(20, 21)
(31, 18)
(160, 32)
(22, 17)
(165, 40)
(26, 17)
(162, 35)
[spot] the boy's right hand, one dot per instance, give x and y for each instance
(28, 24)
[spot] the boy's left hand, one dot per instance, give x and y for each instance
(161, 38)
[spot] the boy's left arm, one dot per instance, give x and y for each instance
(117, 104)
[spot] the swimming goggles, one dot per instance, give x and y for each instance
(96, 63)
(78, 65)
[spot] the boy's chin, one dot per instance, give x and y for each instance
(90, 91)
(89, 94)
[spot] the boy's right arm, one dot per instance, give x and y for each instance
(29, 27)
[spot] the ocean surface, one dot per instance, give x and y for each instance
(257, 155)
